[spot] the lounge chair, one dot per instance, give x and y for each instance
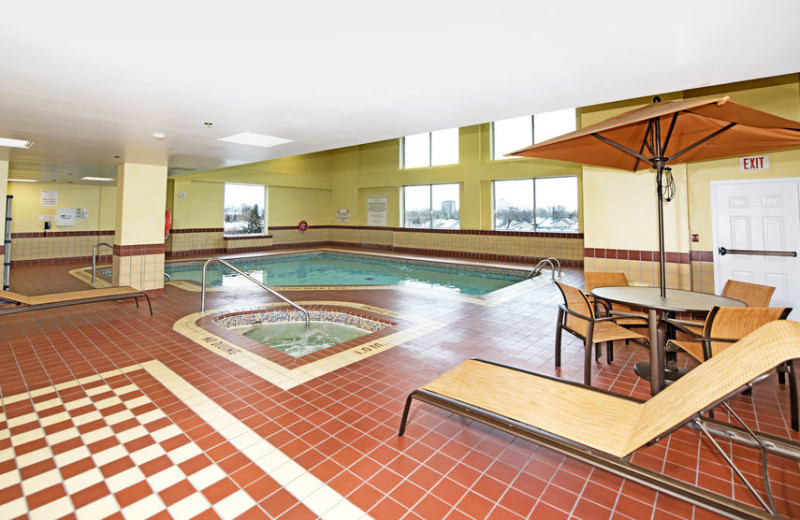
(602, 428)
(23, 303)
(726, 325)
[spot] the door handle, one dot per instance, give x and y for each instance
(722, 251)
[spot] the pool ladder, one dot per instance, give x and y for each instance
(94, 258)
(247, 276)
(540, 266)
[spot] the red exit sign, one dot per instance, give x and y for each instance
(757, 162)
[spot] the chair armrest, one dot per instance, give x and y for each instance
(681, 325)
(577, 315)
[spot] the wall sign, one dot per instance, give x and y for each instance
(376, 211)
(65, 217)
(49, 198)
(756, 162)
(343, 215)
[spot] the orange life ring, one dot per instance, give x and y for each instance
(303, 225)
(167, 223)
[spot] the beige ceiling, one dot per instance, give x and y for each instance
(91, 80)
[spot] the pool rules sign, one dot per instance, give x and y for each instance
(376, 211)
(755, 163)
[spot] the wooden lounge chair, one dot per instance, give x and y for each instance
(576, 316)
(726, 325)
(602, 428)
(23, 303)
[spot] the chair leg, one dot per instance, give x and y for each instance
(587, 362)
(610, 351)
(597, 351)
(781, 377)
(791, 367)
(558, 336)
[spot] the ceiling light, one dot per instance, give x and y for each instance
(160, 136)
(22, 180)
(15, 143)
(252, 139)
(104, 179)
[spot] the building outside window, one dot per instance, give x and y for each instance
(430, 149)
(547, 204)
(244, 209)
(512, 134)
(431, 206)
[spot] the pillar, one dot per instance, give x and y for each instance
(3, 194)
(139, 239)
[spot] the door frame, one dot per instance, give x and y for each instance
(715, 246)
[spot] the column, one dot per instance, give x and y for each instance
(139, 239)
(3, 194)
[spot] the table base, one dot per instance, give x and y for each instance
(671, 372)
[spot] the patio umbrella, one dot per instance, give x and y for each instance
(673, 132)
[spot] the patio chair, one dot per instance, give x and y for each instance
(627, 317)
(752, 294)
(576, 316)
(603, 429)
(23, 303)
(726, 325)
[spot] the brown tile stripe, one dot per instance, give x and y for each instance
(247, 237)
(138, 249)
(59, 234)
(648, 256)
(355, 245)
(443, 231)
(197, 230)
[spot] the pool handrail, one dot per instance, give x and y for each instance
(238, 271)
(94, 258)
(546, 261)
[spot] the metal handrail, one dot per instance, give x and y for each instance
(546, 261)
(268, 289)
(94, 258)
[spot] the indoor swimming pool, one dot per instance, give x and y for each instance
(334, 268)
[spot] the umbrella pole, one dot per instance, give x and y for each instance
(658, 163)
(662, 255)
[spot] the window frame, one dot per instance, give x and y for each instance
(430, 204)
(264, 228)
(430, 150)
(493, 149)
(533, 201)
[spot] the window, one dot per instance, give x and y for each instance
(431, 206)
(244, 209)
(509, 135)
(430, 149)
(546, 204)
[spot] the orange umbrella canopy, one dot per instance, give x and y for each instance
(690, 131)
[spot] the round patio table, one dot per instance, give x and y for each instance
(675, 301)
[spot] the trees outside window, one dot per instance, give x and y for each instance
(431, 206)
(544, 204)
(244, 209)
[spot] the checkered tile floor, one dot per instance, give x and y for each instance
(105, 447)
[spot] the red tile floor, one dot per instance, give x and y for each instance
(109, 412)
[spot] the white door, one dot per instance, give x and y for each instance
(759, 215)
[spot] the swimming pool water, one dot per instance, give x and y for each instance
(325, 268)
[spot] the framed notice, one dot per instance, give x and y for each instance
(49, 197)
(376, 211)
(343, 215)
(65, 217)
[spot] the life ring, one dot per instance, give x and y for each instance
(303, 225)
(167, 223)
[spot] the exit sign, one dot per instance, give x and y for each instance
(757, 162)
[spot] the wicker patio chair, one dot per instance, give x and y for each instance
(576, 316)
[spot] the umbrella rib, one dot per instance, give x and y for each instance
(669, 132)
(701, 141)
(621, 147)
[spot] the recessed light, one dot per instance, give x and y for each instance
(22, 180)
(252, 139)
(104, 179)
(159, 136)
(15, 143)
